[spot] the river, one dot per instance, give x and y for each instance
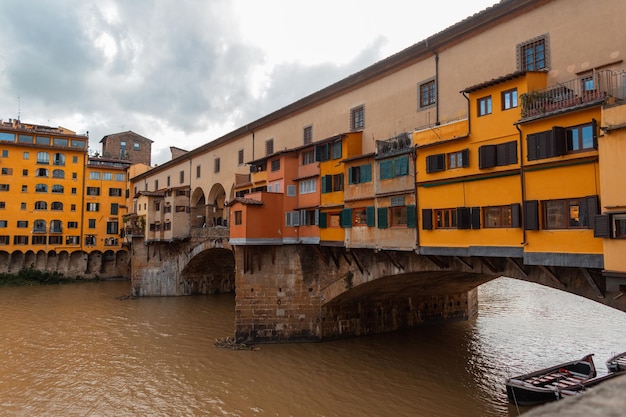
(78, 350)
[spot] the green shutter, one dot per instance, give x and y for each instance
(366, 173)
(323, 220)
(401, 166)
(350, 175)
(383, 220)
(370, 213)
(346, 218)
(327, 184)
(386, 170)
(411, 216)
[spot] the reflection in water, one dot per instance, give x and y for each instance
(76, 350)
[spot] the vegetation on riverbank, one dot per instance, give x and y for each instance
(32, 276)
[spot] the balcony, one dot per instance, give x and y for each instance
(601, 86)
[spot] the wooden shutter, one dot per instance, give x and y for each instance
(401, 166)
(366, 173)
(532, 143)
(487, 156)
(346, 218)
(427, 219)
(411, 216)
(323, 221)
(531, 215)
(559, 141)
(436, 163)
(516, 219)
(602, 226)
(475, 212)
(370, 214)
(383, 219)
(592, 210)
(386, 169)
(464, 218)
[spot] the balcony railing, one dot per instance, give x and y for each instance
(598, 87)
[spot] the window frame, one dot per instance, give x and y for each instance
(510, 99)
(357, 118)
(427, 94)
(484, 106)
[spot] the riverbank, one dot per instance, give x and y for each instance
(32, 276)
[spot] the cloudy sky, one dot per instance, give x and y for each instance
(185, 72)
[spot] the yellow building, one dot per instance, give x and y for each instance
(41, 194)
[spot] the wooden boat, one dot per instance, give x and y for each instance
(617, 363)
(547, 384)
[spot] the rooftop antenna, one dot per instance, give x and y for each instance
(19, 109)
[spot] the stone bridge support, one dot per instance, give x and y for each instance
(313, 293)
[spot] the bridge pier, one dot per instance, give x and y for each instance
(310, 293)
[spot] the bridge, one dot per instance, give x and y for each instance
(385, 200)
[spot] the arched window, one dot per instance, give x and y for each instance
(43, 158)
(56, 226)
(41, 188)
(56, 206)
(58, 189)
(39, 226)
(58, 173)
(59, 159)
(41, 172)
(41, 205)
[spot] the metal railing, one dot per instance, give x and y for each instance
(595, 88)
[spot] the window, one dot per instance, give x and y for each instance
(309, 217)
(619, 226)
(573, 213)
(357, 118)
(336, 150)
(41, 188)
(292, 218)
(3, 223)
(308, 157)
(458, 159)
(533, 55)
(112, 228)
(73, 190)
(307, 135)
(501, 154)
(4, 240)
(22, 206)
(114, 208)
(56, 226)
(216, 165)
(39, 240)
(58, 159)
(501, 216)
(3, 204)
(72, 225)
(120, 177)
(427, 94)
(93, 190)
(93, 175)
(4, 187)
(117, 192)
(26, 155)
(275, 165)
(240, 157)
(41, 205)
(360, 174)
(107, 176)
(484, 106)
(581, 138)
(58, 173)
(548, 144)
(56, 206)
(338, 182)
(445, 219)
(308, 186)
(363, 216)
(181, 209)
(397, 167)
(41, 172)
(332, 183)
(168, 182)
(238, 217)
(322, 152)
(73, 207)
(5, 153)
(93, 206)
(20, 240)
(509, 99)
(397, 216)
(291, 191)
(7, 171)
(91, 223)
(43, 158)
(181, 177)
(436, 163)
(24, 188)
(269, 146)
(55, 240)
(136, 146)
(74, 159)
(74, 175)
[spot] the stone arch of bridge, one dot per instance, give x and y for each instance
(210, 271)
(217, 216)
(198, 208)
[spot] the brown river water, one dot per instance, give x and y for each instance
(78, 350)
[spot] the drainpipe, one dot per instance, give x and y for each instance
(437, 122)
(468, 112)
(522, 176)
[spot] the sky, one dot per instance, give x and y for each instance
(186, 72)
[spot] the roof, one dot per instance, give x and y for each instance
(127, 133)
(494, 81)
(246, 201)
